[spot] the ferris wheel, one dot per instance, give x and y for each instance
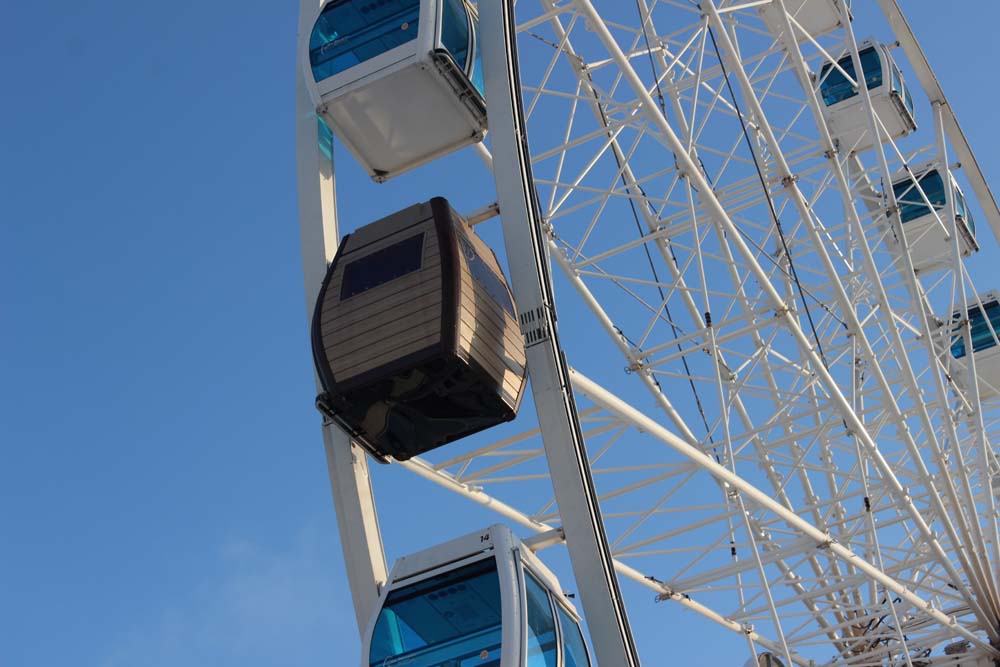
(761, 213)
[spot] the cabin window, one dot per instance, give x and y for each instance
(542, 647)
(901, 89)
(574, 648)
(349, 32)
(963, 212)
(458, 34)
(477, 61)
(455, 33)
(981, 327)
(453, 618)
(378, 268)
(484, 275)
(836, 87)
(911, 204)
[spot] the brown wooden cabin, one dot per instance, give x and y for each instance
(415, 336)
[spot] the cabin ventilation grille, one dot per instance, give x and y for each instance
(534, 326)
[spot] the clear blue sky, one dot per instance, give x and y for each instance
(163, 492)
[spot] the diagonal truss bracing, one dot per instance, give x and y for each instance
(811, 468)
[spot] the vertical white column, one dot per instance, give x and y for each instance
(353, 501)
(565, 449)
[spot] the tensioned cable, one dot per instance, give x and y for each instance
(732, 461)
(770, 202)
(645, 245)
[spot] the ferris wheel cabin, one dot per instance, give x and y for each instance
(923, 205)
(414, 335)
(844, 108)
(815, 16)
(984, 330)
(483, 600)
(398, 81)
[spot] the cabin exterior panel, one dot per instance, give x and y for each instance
(423, 349)
(422, 335)
(492, 342)
(373, 300)
(425, 290)
(372, 320)
(479, 304)
(478, 300)
(356, 348)
(396, 223)
(429, 270)
(349, 350)
(415, 283)
(509, 381)
(356, 250)
(501, 373)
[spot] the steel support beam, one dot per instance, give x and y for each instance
(565, 450)
(758, 498)
(353, 501)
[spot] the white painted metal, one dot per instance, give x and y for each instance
(932, 88)
(927, 237)
(847, 117)
(985, 363)
(815, 17)
(363, 103)
(357, 520)
(818, 476)
(512, 558)
(559, 423)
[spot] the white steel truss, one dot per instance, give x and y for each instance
(799, 458)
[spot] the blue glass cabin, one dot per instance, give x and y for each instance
(349, 33)
(480, 600)
(984, 327)
(844, 108)
(923, 203)
(837, 88)
(365, 56)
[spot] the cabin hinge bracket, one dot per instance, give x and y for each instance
(831, 153)
(790, 180)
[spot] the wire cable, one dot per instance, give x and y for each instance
(770, 201)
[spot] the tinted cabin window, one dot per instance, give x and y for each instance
(574, 648)
(963, 212)
(981, 327)
(541, 626)
(449, 619)
(899, 87)
(483, 275)
(836, 87)
(455, 31)
(349, 32)
(381, 266)
(477, 61)
(911, 204)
